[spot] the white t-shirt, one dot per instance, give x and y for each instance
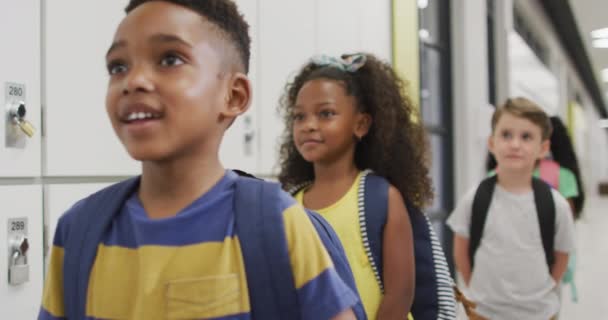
(511, 279)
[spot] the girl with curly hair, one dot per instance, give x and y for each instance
(345, 118)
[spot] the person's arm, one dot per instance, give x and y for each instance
(572, 207)
(560, 266)
(461, 257)
(52, 307)
(398, 260)
(345, 315)
(321, 292)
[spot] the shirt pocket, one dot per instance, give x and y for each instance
(208, 297)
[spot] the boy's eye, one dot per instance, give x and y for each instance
(116, 67)
(171, 59)
(526, 137)
(506, 134)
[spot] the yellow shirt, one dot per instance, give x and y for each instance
(343, 216)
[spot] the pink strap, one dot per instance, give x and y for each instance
(549, 172)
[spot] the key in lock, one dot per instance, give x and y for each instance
(18, 113)
(19, 269)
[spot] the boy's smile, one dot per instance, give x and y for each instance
(167, 83)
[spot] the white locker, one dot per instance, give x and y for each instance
(79, 136)
(21, 301)
(287, 41)
(338, 28)
(346, 26)
(375, 28)
(239, 149)
(20, 76)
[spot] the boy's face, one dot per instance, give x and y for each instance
(170, 93)
(517, 144)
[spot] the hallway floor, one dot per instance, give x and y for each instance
(592, 270)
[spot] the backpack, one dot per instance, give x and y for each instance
(434, 293)
(548, 171)
(545, 209)
(272, 292)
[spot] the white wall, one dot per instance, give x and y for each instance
(530, 78)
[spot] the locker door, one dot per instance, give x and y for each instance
(21, 301)
(79, 136)
(19, 87)
(288, 41)
(338, 29)
(375, 28)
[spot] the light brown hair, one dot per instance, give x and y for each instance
(524, 108)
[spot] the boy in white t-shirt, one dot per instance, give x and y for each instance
(511, 278)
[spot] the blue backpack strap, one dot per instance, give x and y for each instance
(261, 232)
(374, 213)
(434, 293)
(335, 250)
(86, 229)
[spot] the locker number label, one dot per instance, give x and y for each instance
(14, 91)
(17, 226)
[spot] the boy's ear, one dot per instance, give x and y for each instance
(239, 95)
(491, 144)
(364, 122)
(545, 147)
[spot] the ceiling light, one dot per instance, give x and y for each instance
(605, 75)
(603, 123)
(600, 43)
(424, 34)
(422, 4)
(599, 33)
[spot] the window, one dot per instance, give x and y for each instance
(436, 105)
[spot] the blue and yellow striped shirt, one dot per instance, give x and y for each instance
(190, 266)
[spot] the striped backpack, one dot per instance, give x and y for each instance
(434, 293)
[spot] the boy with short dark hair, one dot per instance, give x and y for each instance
(172, 251)
(514, 276)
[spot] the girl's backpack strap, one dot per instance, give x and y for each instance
(87, 223)
(549, 172)
(373, 213)
(434, 295)
(261, 232)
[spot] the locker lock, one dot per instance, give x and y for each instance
(18, 268)
(17, 112)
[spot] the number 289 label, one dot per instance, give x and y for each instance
(17, 226)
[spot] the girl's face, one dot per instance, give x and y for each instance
(326, 121)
